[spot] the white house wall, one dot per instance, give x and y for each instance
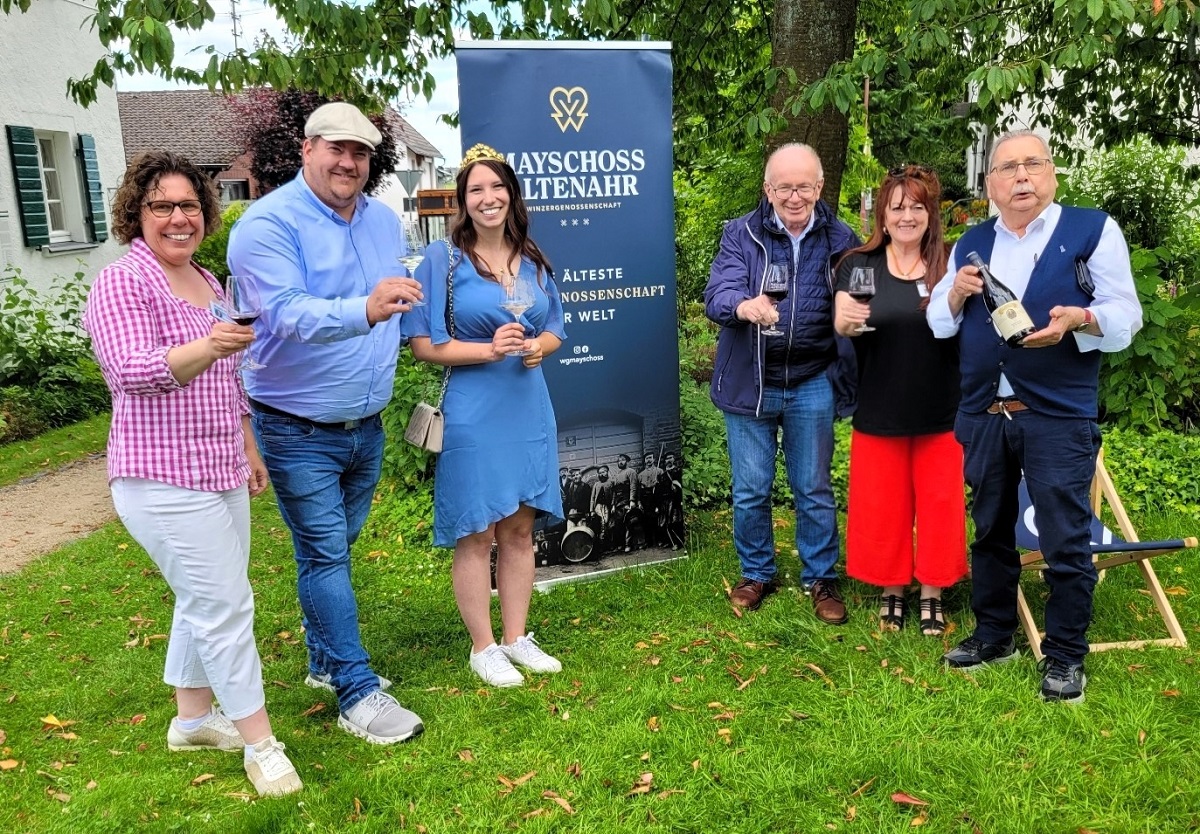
(41, 49)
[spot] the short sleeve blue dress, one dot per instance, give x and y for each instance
(500, 448)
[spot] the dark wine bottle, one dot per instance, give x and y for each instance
(1010, 318)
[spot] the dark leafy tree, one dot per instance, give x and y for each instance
(271, 127)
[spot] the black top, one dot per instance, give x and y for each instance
(908, 381)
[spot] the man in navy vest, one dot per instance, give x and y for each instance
(765, 383)
(1033, 408)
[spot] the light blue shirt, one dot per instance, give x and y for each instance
(1115, 304)
(795, 239)
(314, 271)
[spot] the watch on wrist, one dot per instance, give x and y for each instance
(1088, 320)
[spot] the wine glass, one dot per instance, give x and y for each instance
(862, 288)
(240, 305)
(414, 252)
(775, 287)
(516, 296)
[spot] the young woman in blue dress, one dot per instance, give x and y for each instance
(499, 461)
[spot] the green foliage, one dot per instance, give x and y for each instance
(211, 252)
(404, 464)
(1155, 382)
(47, 374)
(1155, 473)
(720, 186)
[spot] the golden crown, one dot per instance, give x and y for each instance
(482, 151)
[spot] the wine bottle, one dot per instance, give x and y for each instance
(1008, 315)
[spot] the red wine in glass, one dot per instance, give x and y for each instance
(246, 319)
(862, 288)
(775, 287)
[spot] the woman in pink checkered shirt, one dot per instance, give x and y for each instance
(182, 463)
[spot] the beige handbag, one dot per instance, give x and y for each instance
(427, 423)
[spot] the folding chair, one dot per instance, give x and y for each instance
(1109, 550)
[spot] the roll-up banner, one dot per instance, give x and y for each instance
(587, 128)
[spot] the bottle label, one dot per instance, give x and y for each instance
(1011, 319)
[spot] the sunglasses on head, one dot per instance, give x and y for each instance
(911, 170)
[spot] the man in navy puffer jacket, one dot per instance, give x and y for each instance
(764, 383)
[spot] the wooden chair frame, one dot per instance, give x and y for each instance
(1103, 491)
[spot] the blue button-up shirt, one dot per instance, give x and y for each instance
(314, 271)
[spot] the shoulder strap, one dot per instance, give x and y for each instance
(449, 316)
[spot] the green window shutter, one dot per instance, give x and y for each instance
(93, 189)
(22, 148)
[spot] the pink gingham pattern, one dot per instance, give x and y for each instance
(188, 436)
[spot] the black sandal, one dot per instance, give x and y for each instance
(933, 624)
(891, 612)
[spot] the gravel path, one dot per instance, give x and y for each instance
(43, 513)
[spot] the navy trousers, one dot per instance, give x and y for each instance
(1058, 457)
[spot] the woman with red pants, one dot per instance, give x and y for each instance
(905, 465)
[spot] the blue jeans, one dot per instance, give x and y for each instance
(805, 413)
(324, 480)
(1058, 456)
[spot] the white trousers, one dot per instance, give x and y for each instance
(200, 541)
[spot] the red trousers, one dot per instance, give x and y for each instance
(907, 514)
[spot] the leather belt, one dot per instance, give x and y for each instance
(1006, 406)
(344, 425)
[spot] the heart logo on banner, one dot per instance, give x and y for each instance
(569, 107)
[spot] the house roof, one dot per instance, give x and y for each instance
(194, 123)
(408, 134)
(197, 124)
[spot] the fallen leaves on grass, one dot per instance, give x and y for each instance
(314, 709)
(9, 764)
(137, 719)
(919, 819)
(575, 770)
(559, 801)
(202, 778)
(50, 722)
(466, 755)
(509, 784)
(643, 785)
(861, 789)
(1141, 738)
(652, 725)
(1167, 693)
(901, 798)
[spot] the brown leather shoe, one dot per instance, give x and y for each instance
(827, 602)
(749, 594)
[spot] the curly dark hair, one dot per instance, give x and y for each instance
(143, 175)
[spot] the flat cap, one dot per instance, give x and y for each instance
(342, 122)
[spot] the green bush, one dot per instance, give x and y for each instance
(1154, 472)
(1154, 384)
(211, 252)
(48, 376)
(404, 464)
(719, 187)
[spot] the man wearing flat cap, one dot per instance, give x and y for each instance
(323, 257)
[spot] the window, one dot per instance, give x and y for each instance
(59, 193)
(52, 190)
(232, 190)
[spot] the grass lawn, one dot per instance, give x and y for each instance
(671, 714)
(48, 451)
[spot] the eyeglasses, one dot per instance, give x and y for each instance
(910, 170)
(165, 208)
(1034, 165)
(787, 192)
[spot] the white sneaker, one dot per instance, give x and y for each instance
(326, 682)
(493, 666)
(524, 651)
(380, 720)
(216, 733)
(271, 771)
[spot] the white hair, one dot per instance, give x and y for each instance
(801, 146)
(1016, 134)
